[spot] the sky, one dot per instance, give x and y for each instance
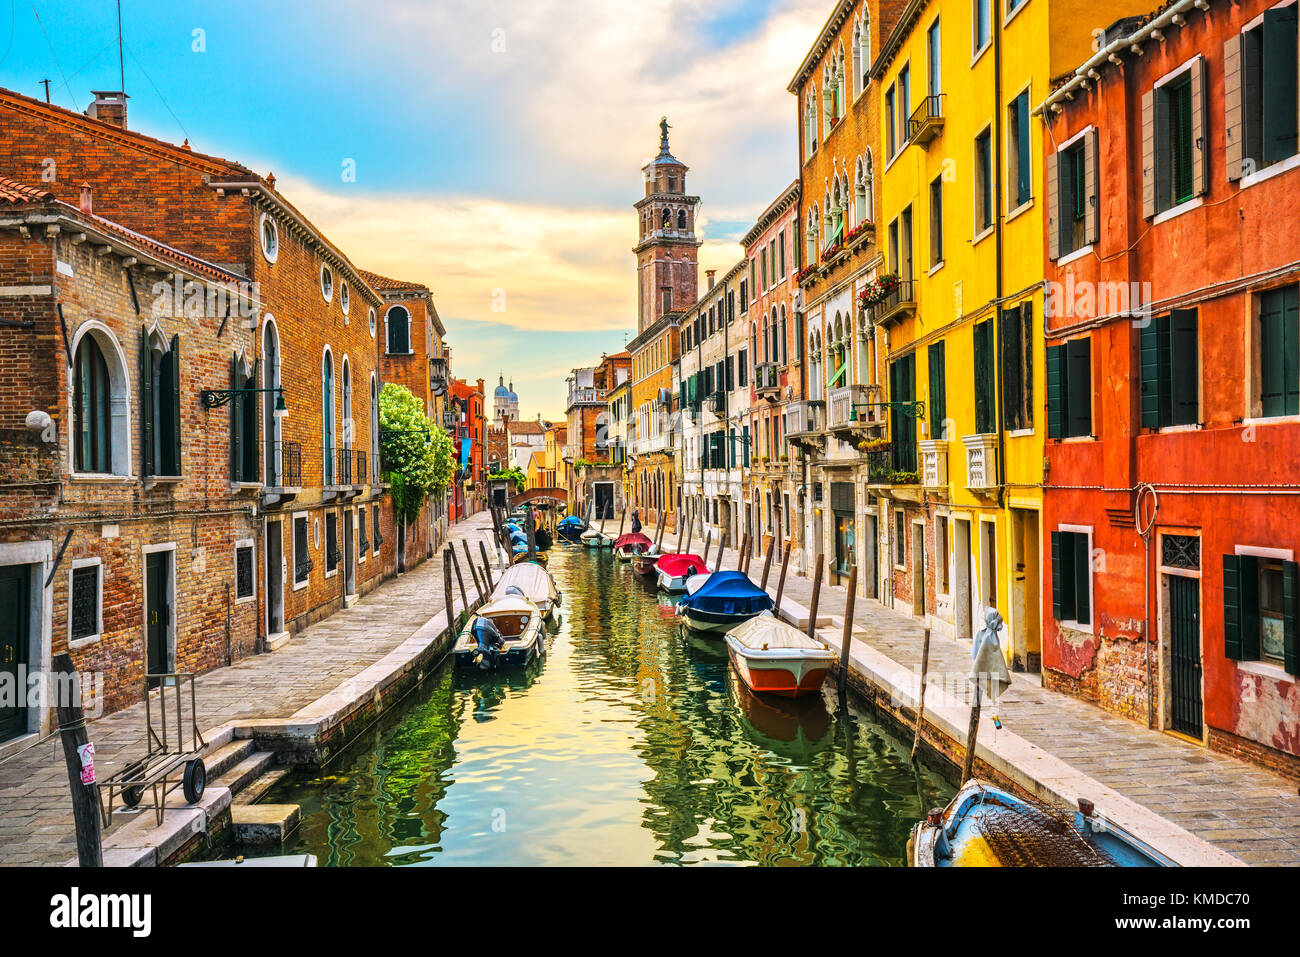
(496, 145)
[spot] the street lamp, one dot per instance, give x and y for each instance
(215, 398)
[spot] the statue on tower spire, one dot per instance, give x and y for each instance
(663, 134)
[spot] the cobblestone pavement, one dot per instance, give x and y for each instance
(1245, 810)
(35, 813)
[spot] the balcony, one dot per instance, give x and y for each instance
(439, 375)
(850, 410)
(934, 463)
(767, 380)
(926, 121)
(981, 463)
(805, 422)
(717, 402)
(898, 303)
(587, 397)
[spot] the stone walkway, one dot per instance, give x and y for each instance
(1245, 810)
(35, 812)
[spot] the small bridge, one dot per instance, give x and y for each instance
(557, 495)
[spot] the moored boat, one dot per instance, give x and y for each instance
(644, 562)
(595, 538)
(505, 631)
(673, 570)
(723, 602)
(985, 826)
(534, 582)
(773, 657)
(570, 529)
(633, 543)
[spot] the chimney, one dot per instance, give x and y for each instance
(109, 107)
(87, 199)
(712, 274)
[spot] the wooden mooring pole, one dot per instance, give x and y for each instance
(816, 597)
(487, 566)
(767, 563)
(464, 599)
(72, 731)
(446, 590)
(968, 765)
(469, 561)
(920, 708)
(780, 582)
(690, 532)
(532, 537)
(707, 539)
(848, 625)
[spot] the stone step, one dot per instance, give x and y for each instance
(263, 824)
(222, 759)
(254, 791)
(245, 772)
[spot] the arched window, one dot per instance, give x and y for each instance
(346, 382)
(667, 219)
(398, 323)
(864, 49)
(92, 409)
(785, 359)
(810, 241)
(327, 416)
(810, 123)
(681, 219)
(271, 448)
(773, 333)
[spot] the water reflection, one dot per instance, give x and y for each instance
(629, 742)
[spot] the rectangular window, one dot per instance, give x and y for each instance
(985, 413)
(900, 539)
(1260, 93)
(244, 571)
(905, 244)
(378, 539)
(302, 563)
(363, 541)
(744, 296)
(891, 123)
(1279, 352)
(941, 554)
(1072, 577)
(902, 427)
(936, 221)
(1075, 206)
(904, 100)
(938, 389)
(84, 608)
(981, 25)
(1017, 365)
(764, 268)
(1178, 105)
(893, 244)
(1019, 165)
(780, 245)
(1169, 371)
(1174, 136)
(1069, 389)
(744, 368)
(1260, 610)
(983, 183)
(934, 78)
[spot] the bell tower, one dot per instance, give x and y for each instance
(667, 257)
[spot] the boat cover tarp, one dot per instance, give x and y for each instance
(766, 632)
(675, 566)
(729, 593)
(530, 578)
(631, 538)
(572, 521)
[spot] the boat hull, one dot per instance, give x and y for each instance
(672, 583)
(644, 565)
(785, 673)
(514, 653)
(712, 622)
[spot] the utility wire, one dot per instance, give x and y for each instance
(10, 45)
(57, 65)
(163, 99)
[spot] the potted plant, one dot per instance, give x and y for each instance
(879, 289)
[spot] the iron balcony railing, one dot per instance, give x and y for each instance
(587, 396)
(926, 121)
(898, 302)
(285, 467)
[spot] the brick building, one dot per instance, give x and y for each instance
(468, 414)
(124, 541)
(1173, 378)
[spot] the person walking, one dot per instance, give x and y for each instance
(636, 521)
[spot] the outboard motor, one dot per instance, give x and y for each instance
(488, 643)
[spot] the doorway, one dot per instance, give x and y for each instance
(1025, 612)
(918, 569)
(870, 545)
(1184, 597)
(962, 559)
(15, 624)
(349, 554)
(274, 578)
(157, 615)
(988, 568)
(603, 493)
(844, 544)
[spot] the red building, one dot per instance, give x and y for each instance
(1173, 369)
(468, 439)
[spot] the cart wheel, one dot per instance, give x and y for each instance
(131, 796)
(195, 780)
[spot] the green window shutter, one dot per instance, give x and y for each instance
(1027, 357)
(1082, 578)
(1056, 392)
(1279, 352)
(938, 390)
(236, 431)
(146, 402)
(1231, 607)
(745, 433)
(1183, 368)
(1279, 87)
(1290, 599)
(1060, 577)
(1012, 381)
(983, 377)
(175, 399)
(1149, 351)
(1248, 591)
(1291, 349)
(1078, 382)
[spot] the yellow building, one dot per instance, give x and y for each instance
(961, 224)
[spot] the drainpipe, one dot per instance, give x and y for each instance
(998, 238)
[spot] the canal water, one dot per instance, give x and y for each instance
(631, 742)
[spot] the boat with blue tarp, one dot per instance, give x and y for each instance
(724, 601)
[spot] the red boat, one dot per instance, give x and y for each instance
(675, 569)
(633, 543)
(772, 657)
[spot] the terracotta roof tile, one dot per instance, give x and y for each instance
(11, 191)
